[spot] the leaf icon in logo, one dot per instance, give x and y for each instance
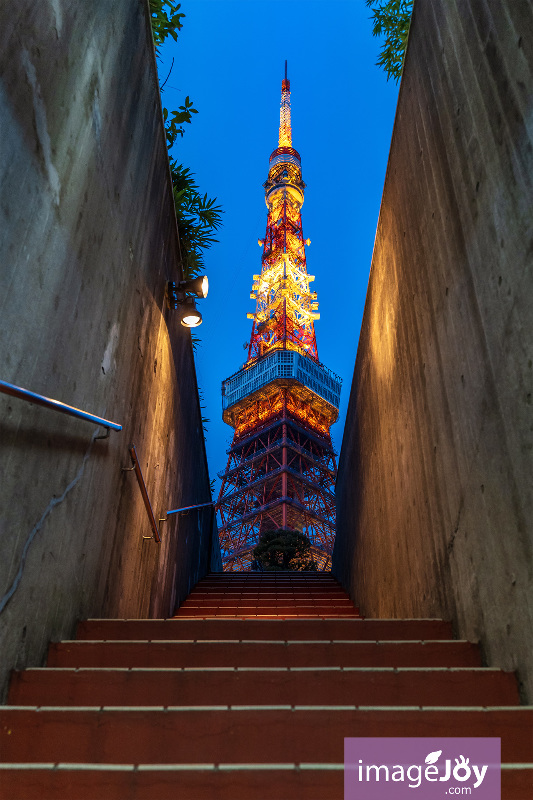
(432, 757)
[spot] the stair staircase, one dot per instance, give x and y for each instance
(247, 694)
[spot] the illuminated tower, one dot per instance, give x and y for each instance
(281, 468)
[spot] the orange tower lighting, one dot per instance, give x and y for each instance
(281, 467)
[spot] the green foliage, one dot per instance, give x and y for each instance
(166, 19)
(173, 124)
(392, 19)
(282, 550)
(165, 22)
(201, 398)
(195, 341)
(198, 218)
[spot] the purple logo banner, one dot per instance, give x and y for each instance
(422, 768)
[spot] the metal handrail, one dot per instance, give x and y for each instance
(144, 493)
(190, 508)
(55, 405)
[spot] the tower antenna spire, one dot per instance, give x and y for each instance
(285, 133)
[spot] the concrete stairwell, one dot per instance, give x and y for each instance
(247, 693)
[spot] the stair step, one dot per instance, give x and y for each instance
(257, 735)
(265, 629)
(146, 782)
(273, 588)
(270, 577)
(259, 615)
(253, 600)
(266, 602)
(266, 611)
(86, 653)
(216, 586)
(294, 591)
(227, 782)
(387, 687)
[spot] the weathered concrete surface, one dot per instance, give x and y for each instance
(435, 511)
(88, 241)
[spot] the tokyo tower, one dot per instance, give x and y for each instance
(281, 468)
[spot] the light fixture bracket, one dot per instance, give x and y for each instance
(174, 295)
(198, 286)
(184, 304)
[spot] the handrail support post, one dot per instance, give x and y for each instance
(144, 492)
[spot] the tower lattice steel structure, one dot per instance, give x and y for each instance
(281, 468)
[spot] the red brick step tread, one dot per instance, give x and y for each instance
(272, 589)
(263, 654)
(355, 629)
(269, 611)
(269, 591)
(204, 784)
(469, 687)
(273, 602)
(170, 736)
(253, 613)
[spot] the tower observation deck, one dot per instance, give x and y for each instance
(281, 467)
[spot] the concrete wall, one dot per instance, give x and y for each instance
(88, 241)
(435, 512)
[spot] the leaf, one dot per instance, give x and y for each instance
(433, 757)
(391, 19)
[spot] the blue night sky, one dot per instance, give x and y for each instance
(229, 58)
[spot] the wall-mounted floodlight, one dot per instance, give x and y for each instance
(181, 299)
(190, 316)
(198, 286)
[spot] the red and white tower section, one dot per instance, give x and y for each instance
(281, 468)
